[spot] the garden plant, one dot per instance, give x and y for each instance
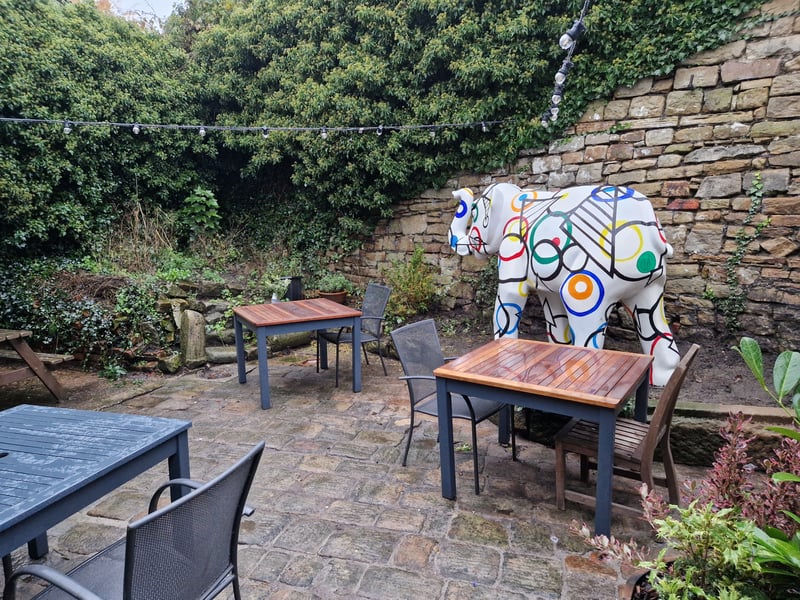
(738, 535)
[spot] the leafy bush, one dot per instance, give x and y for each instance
(739, 536)
(413, 289)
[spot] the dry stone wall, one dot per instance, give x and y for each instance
(694, 142)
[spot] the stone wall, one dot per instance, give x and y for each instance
(694, 142)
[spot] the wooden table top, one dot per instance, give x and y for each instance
(296, 311)
(11, 334)
(586, 375)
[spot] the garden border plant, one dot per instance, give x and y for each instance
(739, 536)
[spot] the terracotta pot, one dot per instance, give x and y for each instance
(338, 297)
(638, 588)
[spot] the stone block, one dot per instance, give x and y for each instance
(695, 77)
(620, 151)
(643, 86)
(684, 102)
(669, 160)
(659, 137)
(785, 160)
(740, 70)
(673, 189)
(772, 46)
(753, 98)
(771, 129)
(544, 164)
(193, 339)
(731, 130)
(717, 100)
(572, 144)
(783, 107)
(715, 153)
(595, 153)
(694, 134)
(643, 107)
(589, 174)
(627, 177)
(786, 85)
(705, 238)
(718, 55)
(773, 180)
(616, 110)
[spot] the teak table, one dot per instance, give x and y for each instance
(578, 382)
(290, 317)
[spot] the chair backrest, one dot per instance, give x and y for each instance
(376, 297)
(418, 347)
(665, 408)
(188, 549)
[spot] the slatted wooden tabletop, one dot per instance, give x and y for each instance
(297, 311)
(599, 377)
(13, 334)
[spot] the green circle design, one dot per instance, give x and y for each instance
(646, 263)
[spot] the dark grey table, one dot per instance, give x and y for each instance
(56, 461)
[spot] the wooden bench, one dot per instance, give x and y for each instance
(36, 362)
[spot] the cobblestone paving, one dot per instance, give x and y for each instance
(338, 516)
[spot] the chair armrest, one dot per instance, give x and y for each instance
(190, 483)
(247, 511)
(53, 577)
(426, 377)
(449, 358)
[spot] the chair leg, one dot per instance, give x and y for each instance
(337, 366)
(380, 355)
(364, 349)
(408, 442)
(513, 438)
(669, 471)
(237, 594)
(475, 458)
(318, 352)
(584, 468)
(561, 476)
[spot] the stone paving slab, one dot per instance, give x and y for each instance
(338, 516)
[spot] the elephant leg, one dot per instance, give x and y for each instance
(508, 306)
(647, 310)
(589, 330)
(556, 319)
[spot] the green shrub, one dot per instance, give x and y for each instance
(413, 289)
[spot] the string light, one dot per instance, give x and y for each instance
(432, 133)
(572, 35)
(561, 75)
(70, 124)
(568, 42)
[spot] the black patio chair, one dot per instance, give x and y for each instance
(420, 352)
(373, 310)
(186, 550)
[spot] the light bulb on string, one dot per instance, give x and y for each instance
(379, 131)
(265, 132)
(545, 120)
(323, 133)
(553, 113)
(561, 75)
(484, 127)
(67, 127)
(136, 129)
(432, 132)
(558, 93)
(360, 130)
(202, 131)
(572, 35)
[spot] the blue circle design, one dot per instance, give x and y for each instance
(508, 309)
(462, 209)
(601, 293)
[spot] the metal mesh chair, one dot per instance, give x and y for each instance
(185, 550)
(373, 309)
(420, 352)
(635, 444)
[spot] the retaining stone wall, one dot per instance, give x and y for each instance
(693, 142)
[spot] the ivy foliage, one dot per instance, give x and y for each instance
(300, 63)
(70, 61)
(351, 63)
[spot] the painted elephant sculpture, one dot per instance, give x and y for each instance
(583, 250)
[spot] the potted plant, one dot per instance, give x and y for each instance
(274, 287)
(334, 286)
(737, 538)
